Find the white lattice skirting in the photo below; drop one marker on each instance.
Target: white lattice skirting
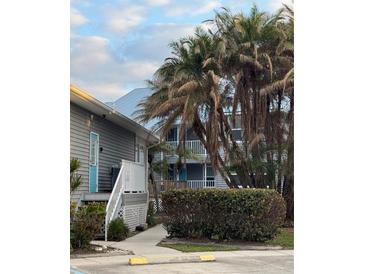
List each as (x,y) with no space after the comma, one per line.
(155,206)
(133,215)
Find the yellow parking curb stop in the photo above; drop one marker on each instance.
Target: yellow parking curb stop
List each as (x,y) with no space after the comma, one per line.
(138,261)
(207,258)
(171,259)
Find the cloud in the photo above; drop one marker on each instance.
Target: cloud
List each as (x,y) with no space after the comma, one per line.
(206,26)
(95,68)
(77,19)
(133,50)
(89,51)
(158,2)
(207,7)
(192,8)
(176,11)
(274,5)
(124,19)
(153,44)
(106,92)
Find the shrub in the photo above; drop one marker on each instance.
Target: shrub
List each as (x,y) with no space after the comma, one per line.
(72,215)
(75,179)
(117,230)
(247,214)
(73,206)
(151,221)
(86,223)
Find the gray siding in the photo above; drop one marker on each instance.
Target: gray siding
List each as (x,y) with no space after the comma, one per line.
(117,144)
(79,146)
(134,198)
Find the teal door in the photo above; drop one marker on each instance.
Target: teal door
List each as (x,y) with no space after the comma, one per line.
(93,162)
(183,174)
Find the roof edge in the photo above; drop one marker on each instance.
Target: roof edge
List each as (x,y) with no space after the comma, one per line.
(86,96)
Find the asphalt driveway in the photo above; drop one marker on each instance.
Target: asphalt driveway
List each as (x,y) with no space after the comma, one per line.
(144,244)
(264,262)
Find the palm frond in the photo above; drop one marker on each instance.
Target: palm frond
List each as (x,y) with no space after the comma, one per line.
(251,61)
(280,85)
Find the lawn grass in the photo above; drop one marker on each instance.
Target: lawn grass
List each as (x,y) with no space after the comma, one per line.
(198,247)
(285,238)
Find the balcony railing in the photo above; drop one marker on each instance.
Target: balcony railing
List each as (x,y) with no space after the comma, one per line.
(166,185)
(195,146)
(195,184)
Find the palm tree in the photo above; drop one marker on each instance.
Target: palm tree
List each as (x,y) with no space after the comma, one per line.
(187,88)
(247,56)
(244,65)
(156,166)
(283,89)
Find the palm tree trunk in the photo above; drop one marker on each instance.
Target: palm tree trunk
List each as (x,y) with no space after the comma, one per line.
(289,193)
(221,167)
(153,182)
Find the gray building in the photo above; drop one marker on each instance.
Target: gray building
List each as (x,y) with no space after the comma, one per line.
(197,173)
(112,150)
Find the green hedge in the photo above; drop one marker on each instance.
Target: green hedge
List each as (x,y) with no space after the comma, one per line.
(247,214)
(86,223)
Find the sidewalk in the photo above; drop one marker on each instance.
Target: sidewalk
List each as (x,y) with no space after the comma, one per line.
(143,243)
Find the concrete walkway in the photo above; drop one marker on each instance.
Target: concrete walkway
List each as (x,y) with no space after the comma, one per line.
(144,243)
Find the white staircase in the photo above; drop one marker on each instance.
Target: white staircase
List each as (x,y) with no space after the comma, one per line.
(129,197)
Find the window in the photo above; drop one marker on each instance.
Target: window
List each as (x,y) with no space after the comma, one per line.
(171,173)
(172,135)
(136,153)
(236,134)
(210,173)
(195,171)
(139,154)
(93,151)
(190,135)
(237,122)
(236,126)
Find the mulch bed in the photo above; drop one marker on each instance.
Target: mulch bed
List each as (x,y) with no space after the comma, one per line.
(104,252)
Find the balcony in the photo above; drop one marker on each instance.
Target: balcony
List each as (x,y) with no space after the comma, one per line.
(195,184)
(194,146)
(166,185)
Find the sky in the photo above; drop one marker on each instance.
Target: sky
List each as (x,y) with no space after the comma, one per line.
(117,45)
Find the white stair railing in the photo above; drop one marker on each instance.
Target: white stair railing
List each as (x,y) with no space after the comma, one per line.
(114,200)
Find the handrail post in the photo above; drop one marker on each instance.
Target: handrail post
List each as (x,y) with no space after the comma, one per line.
(110,207)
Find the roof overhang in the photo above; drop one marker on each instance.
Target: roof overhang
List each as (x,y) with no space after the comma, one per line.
(86,101)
